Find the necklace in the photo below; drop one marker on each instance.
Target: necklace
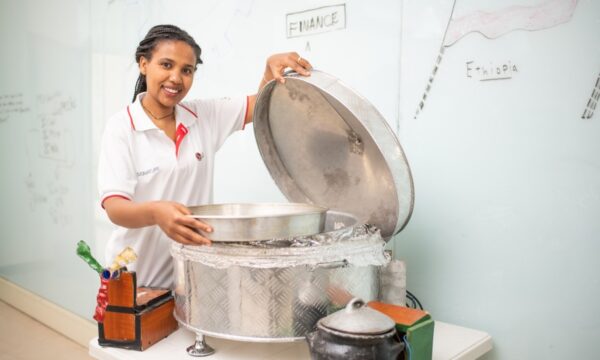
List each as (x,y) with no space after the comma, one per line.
(154,116)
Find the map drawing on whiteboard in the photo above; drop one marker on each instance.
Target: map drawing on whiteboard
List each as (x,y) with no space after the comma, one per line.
(492,24)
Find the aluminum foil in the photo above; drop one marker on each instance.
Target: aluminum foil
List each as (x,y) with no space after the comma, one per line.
(359,245)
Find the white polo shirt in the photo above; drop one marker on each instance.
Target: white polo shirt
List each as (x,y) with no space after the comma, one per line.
(139,162)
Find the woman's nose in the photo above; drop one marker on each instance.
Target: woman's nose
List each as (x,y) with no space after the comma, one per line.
(175,77)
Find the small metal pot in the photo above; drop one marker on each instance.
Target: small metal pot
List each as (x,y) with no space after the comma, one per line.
(356,332)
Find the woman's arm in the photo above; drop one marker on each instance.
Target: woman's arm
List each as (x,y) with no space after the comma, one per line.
(170,216)
(276,65)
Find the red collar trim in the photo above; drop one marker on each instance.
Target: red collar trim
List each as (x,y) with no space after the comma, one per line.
(190,111)
(130,118)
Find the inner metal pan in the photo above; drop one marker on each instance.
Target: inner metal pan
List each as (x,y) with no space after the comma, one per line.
(260,221)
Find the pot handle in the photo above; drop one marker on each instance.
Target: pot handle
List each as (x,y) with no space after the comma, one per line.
(290,72)
(330,265)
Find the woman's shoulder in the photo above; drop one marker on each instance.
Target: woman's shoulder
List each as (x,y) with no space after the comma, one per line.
(208,105)
(198,104)
(119,121)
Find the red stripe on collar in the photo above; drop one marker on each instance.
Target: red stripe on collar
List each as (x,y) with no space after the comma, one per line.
(191,112)
(130,118)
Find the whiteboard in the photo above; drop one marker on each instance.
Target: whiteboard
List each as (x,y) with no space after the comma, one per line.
(499,124)
(45,153)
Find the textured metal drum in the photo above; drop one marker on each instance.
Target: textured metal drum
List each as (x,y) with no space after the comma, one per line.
(275,294)
(266,305)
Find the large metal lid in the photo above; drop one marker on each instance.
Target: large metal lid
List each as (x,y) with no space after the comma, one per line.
(326,145)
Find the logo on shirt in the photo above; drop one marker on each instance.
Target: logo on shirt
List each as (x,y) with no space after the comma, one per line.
(147,172)
(199,156)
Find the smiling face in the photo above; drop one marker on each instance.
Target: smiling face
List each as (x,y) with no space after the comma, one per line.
(169,74)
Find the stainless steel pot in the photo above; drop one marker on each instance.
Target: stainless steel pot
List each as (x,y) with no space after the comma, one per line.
(323,144)
(263,221)
(276,292)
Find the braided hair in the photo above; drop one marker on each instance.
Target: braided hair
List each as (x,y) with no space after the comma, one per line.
(154,36)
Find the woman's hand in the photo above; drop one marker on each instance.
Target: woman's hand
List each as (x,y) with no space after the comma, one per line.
(168,215)
(276,65)
(172,218)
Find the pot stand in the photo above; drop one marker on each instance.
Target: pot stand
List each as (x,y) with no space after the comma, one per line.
(200,348)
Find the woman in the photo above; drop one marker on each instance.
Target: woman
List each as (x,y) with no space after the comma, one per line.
(157,155)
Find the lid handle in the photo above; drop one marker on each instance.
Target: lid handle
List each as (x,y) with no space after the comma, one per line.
(289,72)
(354,305)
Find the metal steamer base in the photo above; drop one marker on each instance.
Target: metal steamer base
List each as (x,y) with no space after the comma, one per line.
(323,145)
(278,290)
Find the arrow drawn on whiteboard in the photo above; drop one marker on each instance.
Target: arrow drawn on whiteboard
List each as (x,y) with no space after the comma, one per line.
(593,101)
(495,24)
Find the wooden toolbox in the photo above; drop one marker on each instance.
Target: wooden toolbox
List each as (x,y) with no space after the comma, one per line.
(135,317)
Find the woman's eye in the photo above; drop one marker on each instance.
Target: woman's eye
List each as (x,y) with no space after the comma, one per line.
(188,71)
(166,65)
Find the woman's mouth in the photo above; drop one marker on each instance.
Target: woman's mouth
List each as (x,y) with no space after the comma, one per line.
(171,91)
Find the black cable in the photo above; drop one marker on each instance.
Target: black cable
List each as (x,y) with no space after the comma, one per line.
(412,303)
(414,300)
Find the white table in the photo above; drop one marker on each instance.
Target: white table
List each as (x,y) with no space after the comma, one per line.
(449,342)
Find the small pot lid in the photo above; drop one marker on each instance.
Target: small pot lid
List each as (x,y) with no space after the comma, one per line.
(358,319)
(326,145)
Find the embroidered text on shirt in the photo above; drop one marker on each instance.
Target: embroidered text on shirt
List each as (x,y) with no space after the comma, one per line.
(146,172)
